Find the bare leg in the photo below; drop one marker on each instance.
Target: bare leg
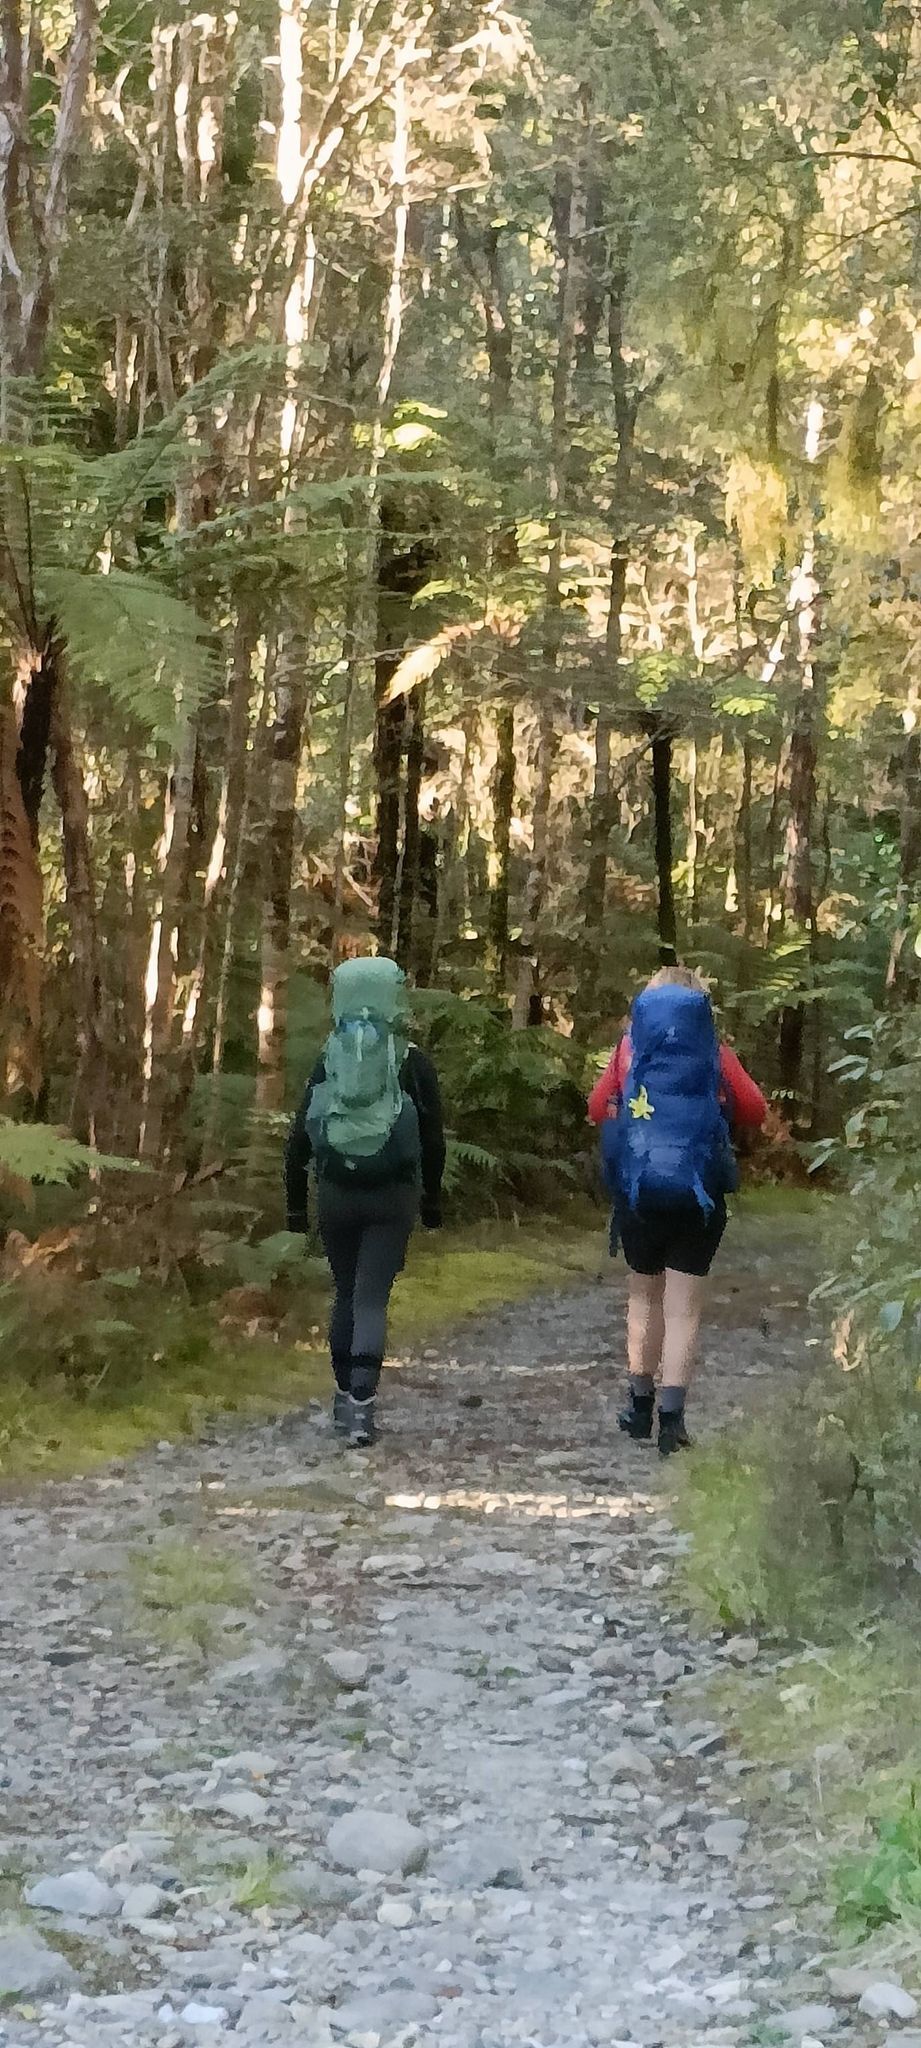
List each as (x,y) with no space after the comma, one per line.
(684,1297)
(645,1329)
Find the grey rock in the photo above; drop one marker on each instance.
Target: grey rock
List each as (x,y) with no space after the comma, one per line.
(485,1862)
(311,1885)
(726,1838)
(29,1968)
(887,2001)
(806,2019)
(246,1806)
(79,1893)
(145,1902)
(261,1668)
(379,2012)
(248,1763)
(626,1760)
(202,1969)
(369,1840)
(349,1668)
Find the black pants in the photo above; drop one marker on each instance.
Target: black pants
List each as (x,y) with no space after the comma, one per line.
(365,1232)
(681,1239)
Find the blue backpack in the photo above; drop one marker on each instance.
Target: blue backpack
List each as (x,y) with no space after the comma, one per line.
(670,1145)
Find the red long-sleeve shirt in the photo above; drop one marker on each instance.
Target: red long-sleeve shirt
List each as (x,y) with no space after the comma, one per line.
(744,1100)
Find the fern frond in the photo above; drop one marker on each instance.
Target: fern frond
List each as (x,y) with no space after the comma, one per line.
(147,649)
(35,1152)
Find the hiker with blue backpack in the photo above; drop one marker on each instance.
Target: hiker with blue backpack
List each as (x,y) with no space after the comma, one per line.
(371,1120)
(667,1105)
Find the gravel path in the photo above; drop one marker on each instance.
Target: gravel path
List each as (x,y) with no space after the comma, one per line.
(390,1749)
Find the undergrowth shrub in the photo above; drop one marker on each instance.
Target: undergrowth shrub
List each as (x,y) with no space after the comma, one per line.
(881,1885)
(514,1104)
(819,1507)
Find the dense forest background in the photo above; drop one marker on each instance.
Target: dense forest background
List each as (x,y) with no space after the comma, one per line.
(458,492)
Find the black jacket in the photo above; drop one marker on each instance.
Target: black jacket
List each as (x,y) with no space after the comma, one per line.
(420,1081)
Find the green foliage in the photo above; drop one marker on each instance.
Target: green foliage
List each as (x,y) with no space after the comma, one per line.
(515,1101)
(145,648)
(882,1886)
(35,1152)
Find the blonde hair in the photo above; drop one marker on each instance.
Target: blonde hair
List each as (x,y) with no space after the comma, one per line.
(678,977)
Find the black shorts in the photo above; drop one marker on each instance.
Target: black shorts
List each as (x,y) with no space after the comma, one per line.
(684,1240)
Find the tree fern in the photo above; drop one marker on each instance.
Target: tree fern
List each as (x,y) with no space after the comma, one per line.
(35,1152)
(147,649)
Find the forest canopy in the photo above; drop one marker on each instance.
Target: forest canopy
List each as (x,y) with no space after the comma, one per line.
(458,494)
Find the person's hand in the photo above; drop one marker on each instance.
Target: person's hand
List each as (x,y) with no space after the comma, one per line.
(430,1215)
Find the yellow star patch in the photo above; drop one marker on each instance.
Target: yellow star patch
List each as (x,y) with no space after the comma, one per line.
(641,1107)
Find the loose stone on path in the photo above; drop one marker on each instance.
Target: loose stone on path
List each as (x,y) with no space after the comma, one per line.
(451,1781)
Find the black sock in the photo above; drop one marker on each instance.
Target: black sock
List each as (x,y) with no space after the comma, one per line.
(671,1400)
(642,1386)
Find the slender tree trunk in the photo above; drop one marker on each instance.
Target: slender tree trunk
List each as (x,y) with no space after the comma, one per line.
(225,842)
(287,735)
(160,978)
(231,910)
(400,574)
(21,927)
(694,827)
(797,880)
(570,223)
(89,1093)
(626,409)
(409,866)
(744,841)
(903,977)
(662,746)
(503,808)
(601,821)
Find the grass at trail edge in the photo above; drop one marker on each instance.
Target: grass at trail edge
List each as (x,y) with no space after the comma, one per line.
(155,1367)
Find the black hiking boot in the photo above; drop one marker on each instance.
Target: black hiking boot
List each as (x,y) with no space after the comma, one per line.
(673,1435)
(342,1412)
(636,1419)
(362,1431)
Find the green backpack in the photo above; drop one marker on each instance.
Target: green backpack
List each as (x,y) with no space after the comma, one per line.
(363,1127)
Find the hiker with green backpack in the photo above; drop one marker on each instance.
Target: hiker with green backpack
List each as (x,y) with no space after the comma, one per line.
(371,1120)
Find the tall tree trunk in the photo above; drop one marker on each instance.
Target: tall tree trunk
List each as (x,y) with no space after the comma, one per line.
(89,1095)
(903,978)
(743,852)
(222,860)
(287,735)
(662,747)
(401,573)
(409,865)
(162,959)
(797,882)
(626,409)
(570,222)
(503,809)
(231,908)
(694,830)
(21,927)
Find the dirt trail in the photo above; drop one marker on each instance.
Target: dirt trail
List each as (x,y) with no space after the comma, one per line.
(241,1678)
